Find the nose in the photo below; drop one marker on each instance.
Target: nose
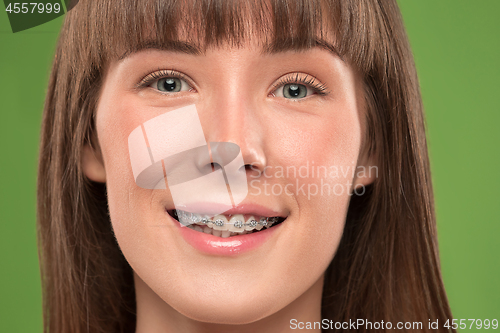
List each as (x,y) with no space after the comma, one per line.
(235,120)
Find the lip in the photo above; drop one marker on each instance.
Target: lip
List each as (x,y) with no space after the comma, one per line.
(230,246)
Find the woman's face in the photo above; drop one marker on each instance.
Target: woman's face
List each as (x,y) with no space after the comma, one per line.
(297,117)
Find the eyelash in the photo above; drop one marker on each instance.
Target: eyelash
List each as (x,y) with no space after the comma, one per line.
(306,79)
(161,74)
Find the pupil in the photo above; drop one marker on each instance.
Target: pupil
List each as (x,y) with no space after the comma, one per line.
(169,84)
(295,91)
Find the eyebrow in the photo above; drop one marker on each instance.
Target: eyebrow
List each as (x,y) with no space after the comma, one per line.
(280,46)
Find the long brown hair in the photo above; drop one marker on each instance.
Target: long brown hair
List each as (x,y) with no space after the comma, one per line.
(387,264)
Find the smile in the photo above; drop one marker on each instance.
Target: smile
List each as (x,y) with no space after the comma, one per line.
(225,225)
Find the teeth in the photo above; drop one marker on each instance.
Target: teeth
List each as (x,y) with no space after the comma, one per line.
(271,221)
(251,223)
(220,222)
(236,223)
(220,226)
(196,218)
(183,217)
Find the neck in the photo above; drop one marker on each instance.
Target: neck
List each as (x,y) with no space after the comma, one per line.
(155,315)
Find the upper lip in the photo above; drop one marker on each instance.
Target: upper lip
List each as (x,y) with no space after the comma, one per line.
(245,209)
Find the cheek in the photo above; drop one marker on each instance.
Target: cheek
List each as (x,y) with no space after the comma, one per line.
(323,151)
(117,117)
(332,137)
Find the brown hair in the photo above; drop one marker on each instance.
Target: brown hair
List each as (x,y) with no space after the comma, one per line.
(387,265)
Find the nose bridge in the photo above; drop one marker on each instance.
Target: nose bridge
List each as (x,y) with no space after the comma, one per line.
(233,116)
(231,105)
(231,101)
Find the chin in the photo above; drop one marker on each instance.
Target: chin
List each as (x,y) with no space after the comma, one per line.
(230,307)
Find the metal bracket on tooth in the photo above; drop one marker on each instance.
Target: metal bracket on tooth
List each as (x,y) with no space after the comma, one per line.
(189,218)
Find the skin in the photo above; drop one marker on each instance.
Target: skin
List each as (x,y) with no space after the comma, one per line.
(180,289)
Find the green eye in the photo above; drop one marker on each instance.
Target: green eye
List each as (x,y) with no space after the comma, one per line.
(294,91)
(298,87)
(169,84)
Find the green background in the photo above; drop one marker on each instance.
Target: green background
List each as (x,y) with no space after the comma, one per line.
(457,50)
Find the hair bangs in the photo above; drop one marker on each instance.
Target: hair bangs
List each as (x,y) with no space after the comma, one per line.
(117,28)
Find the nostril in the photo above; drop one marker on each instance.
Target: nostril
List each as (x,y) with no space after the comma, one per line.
(215,166)
(250,168)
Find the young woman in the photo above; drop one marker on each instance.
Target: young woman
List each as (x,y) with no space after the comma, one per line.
(327,87)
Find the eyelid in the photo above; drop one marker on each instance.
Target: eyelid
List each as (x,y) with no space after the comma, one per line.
(301,78)
(161,74)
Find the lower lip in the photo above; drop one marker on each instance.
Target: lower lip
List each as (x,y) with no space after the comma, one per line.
(230,246)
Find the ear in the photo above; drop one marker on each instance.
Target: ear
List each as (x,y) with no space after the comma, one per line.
(93,164)
(366,171)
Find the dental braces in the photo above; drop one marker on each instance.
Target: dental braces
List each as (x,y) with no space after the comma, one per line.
(190,218)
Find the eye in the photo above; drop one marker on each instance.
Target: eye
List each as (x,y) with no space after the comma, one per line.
(298,86)
(293,91)
(166,81)
(171,85)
